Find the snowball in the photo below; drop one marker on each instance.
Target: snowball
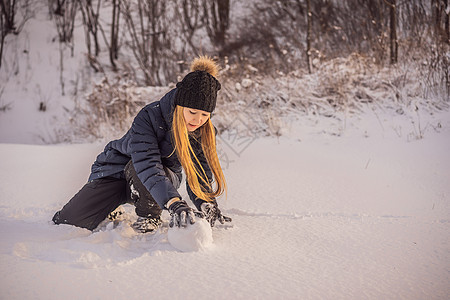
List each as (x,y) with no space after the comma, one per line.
(197,236)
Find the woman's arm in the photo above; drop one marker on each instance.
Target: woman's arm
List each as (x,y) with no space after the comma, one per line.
(146,157)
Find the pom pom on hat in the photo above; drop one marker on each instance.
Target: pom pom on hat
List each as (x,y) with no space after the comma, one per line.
(198,89)
(205,63)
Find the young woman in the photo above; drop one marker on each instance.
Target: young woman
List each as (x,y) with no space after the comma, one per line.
(144,166)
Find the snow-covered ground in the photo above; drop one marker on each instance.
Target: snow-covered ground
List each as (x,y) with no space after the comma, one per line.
(316,217)
(355,205)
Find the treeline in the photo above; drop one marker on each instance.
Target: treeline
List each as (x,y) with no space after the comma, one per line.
(152,39)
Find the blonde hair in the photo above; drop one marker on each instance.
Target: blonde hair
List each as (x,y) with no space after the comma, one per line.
(195,174)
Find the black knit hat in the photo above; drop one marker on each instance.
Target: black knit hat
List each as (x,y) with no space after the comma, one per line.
(198,90)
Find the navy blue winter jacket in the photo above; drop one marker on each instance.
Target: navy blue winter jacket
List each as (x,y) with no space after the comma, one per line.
(148,144)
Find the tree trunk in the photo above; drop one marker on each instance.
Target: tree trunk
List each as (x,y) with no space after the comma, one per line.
(308,35)
(447,20)
(437,13)
(224,19)
(393,36)
(113,50)
(8,10)
(90,21)
(87,35)
(192,20)
(2,37)
(217,20)
(61,67)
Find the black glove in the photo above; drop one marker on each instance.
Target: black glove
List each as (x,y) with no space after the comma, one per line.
(180,212)
(212,213)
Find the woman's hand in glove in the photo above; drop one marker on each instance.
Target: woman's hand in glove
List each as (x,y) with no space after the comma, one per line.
(180,213)
(213,213)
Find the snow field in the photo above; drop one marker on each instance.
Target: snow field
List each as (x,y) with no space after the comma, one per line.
(329,218)
(349,206)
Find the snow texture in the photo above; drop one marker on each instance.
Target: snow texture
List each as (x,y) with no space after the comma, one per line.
(327,217)
(194,237)
(343,206)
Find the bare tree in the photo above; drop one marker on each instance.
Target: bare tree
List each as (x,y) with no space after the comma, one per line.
(331,28)
(217,17)
(437,9)
(191,20)
(308,35)
(441,12)
(272,29)
(8,13)
(393,30)
(90,13)
(114,45)
(64,12)
(447,20)
(147,25)
(8,24)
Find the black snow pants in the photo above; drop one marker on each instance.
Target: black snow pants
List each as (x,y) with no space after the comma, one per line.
(99,197)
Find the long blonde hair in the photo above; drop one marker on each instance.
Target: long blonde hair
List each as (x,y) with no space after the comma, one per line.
(195,174)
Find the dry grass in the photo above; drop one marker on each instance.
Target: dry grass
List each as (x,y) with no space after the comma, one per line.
(255,104)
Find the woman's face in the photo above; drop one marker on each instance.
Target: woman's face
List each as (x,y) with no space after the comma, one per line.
(194,118)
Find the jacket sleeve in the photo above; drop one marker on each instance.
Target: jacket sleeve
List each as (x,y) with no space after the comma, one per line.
(204,163)
(146,158)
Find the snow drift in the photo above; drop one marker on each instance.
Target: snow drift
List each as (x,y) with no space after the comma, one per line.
(335,218)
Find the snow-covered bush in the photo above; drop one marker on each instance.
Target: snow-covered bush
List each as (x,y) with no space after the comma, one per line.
(260,45)
(256,104)
(111,107)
